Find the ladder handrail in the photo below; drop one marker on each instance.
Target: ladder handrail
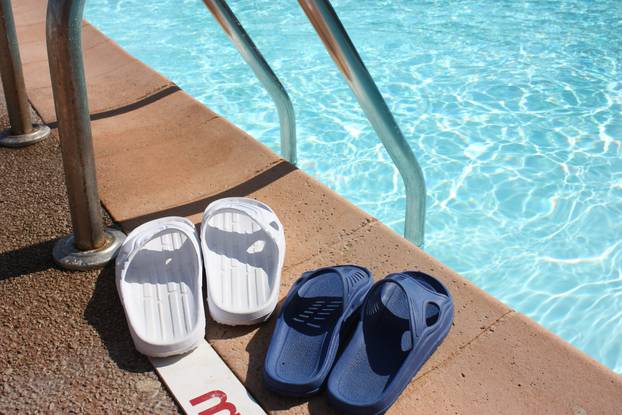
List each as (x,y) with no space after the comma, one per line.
(91,244)
(340,47)
(18,107)
(251,55)
(22,131)
(64,44)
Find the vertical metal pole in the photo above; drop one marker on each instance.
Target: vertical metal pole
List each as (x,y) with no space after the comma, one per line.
(22,131)
(90,245)
(342,50)
(251,55)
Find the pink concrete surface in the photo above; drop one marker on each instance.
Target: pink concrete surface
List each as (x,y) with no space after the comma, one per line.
(160,152)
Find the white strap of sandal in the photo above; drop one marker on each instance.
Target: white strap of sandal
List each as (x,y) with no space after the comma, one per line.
(140,236)
(259,213)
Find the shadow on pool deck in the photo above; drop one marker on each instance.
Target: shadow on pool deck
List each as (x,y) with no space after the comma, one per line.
(114,332)
(64,342)
(150,99)
(197,207)
(27,260)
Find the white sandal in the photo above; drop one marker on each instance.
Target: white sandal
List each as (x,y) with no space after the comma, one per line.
(159,280)
(243,249)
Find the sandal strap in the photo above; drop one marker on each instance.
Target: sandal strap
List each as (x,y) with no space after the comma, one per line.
(140,236)
(258,212)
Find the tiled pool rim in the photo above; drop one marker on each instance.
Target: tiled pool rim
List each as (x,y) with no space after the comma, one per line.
(494,360)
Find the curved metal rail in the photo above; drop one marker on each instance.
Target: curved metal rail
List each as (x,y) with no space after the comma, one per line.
(90,245)
(93,245)
(342,50)
(251,55)
(22,131)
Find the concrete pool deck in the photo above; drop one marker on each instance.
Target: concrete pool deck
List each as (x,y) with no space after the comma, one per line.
(160,152)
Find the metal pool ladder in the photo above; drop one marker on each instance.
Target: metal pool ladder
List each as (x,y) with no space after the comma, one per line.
(342,50)
(91,244)
(245,45)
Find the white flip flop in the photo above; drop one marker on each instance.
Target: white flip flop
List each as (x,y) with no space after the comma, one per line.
(159,280)
(243,250)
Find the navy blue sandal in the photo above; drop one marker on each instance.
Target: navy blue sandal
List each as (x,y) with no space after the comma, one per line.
(306,337)
(403,320)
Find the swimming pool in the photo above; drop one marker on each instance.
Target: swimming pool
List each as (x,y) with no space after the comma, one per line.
(514,109)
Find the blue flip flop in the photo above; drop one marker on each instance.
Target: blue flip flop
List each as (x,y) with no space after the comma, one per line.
(306,337)
(403,320)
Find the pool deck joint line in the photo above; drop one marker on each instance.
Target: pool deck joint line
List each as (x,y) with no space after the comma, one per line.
(161,152)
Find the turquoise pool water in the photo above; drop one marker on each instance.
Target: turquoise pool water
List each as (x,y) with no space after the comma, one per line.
(514,109)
